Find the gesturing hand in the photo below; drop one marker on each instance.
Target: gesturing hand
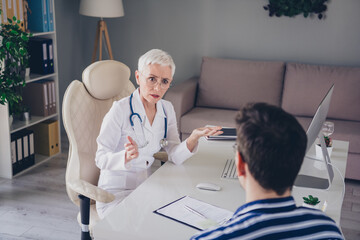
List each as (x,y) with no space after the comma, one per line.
(131,150)
(201,132)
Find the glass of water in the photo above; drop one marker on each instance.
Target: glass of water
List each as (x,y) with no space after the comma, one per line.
(328,128)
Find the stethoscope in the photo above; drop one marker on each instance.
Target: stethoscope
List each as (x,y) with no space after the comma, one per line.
(134,124)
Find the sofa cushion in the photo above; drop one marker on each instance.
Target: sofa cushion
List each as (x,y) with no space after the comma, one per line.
(226,83)
(305,86)
(199,117)
(343,130)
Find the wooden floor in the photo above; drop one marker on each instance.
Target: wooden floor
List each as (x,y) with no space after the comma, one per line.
(35,205)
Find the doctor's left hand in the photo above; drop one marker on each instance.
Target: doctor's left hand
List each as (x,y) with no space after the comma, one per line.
(197,133)
(131,150)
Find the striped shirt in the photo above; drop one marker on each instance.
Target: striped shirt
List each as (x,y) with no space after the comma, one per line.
(277,218)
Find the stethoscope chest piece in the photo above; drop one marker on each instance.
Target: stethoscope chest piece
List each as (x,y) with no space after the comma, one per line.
(163,143)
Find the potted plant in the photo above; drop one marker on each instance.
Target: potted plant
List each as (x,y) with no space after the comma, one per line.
(328,143)
(311,202)
(14,58)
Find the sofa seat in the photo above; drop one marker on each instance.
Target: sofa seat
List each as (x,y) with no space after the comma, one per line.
(200,116)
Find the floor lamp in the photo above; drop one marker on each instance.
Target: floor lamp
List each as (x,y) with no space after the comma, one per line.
(102,9)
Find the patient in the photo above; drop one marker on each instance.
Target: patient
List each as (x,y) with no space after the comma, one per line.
(270,149)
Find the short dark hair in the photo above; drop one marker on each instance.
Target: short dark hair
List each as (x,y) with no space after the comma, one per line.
(272,143)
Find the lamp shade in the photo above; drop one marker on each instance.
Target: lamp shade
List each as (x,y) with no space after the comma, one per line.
(102,8)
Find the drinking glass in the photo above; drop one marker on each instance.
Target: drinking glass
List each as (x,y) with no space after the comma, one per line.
(328,128)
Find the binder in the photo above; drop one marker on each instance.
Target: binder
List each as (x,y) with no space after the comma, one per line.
(36,97)
(50,99)
(50,53)
(22,150)
(39,55)
(38,19)
(3,18)
(11,8)
(19,151)
(19,12)
(14,154)
(28,148)
(53,96)
(50,14)
(46,136)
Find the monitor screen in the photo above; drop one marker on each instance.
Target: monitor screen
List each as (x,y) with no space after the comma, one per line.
(318,119)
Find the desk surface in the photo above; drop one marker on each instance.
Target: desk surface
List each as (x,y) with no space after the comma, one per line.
(133,218)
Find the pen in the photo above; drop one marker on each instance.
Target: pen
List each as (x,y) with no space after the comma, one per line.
(194,211)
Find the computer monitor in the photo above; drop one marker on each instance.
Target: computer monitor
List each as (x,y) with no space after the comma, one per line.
(308,175)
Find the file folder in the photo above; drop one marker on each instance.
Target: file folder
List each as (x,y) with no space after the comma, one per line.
(50,54)
(19,152)
(11,8)
(46,136)
(14,154)
(28,144)
(50,14)
(53,96)
(36,97)
(39,55)
(38,19)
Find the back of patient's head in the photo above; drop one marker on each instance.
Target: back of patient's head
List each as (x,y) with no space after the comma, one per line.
(272,143)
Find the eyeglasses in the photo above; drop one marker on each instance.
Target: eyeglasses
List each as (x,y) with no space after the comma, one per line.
(152,81)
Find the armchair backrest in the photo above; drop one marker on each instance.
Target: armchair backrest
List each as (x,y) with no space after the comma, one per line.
(84,107)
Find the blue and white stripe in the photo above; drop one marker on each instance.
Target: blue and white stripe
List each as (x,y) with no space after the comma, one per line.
(274,219)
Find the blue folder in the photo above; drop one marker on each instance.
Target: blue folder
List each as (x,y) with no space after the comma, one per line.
(38,18)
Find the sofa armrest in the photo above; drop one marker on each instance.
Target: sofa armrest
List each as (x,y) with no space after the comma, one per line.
(183,97)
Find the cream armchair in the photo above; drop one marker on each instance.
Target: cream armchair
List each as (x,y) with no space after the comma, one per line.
(84,106)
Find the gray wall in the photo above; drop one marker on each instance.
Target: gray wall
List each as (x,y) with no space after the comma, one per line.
(190,29)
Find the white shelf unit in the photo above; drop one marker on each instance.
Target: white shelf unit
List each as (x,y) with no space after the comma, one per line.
(6,130)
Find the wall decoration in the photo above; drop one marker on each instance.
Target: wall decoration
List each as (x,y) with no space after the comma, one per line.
(291,8)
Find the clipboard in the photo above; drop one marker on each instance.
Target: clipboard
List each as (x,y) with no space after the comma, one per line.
(194,213)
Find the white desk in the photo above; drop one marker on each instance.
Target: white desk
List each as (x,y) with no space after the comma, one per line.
(134,218)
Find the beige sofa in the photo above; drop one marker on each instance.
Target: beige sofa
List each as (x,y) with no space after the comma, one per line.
(225,85)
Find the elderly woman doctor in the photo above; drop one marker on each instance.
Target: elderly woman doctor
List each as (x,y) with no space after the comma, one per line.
(138,126)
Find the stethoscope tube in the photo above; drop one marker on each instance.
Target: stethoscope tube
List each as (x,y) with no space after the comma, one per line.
(163,142)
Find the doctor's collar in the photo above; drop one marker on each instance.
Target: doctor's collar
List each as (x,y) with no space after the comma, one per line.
(139,106)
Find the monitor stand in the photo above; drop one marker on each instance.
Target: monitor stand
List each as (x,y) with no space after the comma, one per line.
(309,181)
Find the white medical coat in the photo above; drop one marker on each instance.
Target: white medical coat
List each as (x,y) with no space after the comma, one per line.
(120,178)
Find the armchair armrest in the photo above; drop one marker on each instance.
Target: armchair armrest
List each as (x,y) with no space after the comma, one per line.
(91,191)
(183,97)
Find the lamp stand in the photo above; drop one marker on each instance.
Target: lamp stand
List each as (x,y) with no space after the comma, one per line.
(100,30)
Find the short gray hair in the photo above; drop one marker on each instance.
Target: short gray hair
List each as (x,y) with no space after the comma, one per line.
(156,56)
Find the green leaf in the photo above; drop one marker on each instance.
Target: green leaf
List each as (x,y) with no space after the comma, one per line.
(8,45)
(24,37)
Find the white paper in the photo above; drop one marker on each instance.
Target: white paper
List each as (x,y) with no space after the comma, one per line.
(213,215)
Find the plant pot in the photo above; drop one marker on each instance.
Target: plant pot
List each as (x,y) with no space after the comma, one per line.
(11,119)
(27,72)
(317,206)
(25,116)
(319,153)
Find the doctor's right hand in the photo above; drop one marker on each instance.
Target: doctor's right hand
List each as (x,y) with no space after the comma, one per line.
(131,150)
